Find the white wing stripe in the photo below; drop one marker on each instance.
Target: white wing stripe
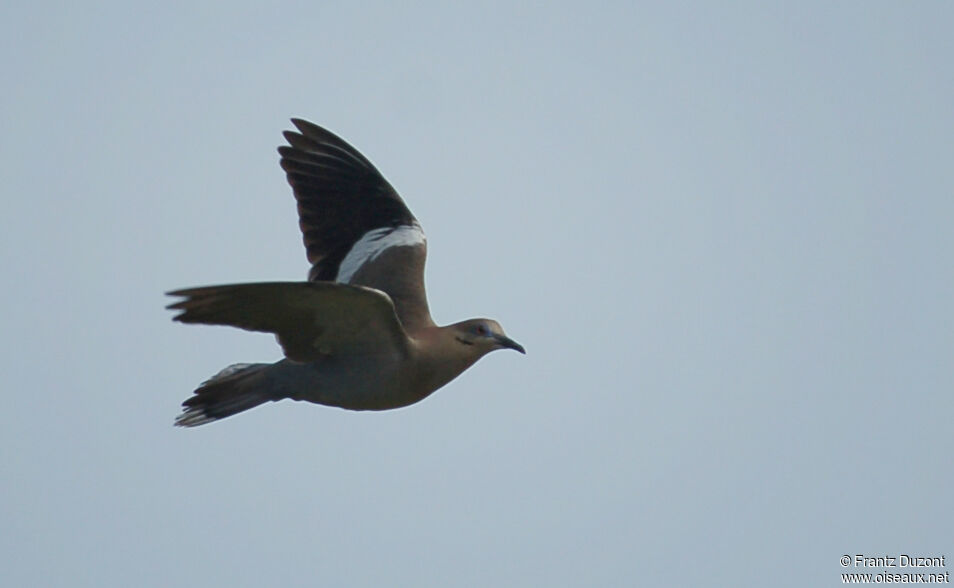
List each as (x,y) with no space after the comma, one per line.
(373,243)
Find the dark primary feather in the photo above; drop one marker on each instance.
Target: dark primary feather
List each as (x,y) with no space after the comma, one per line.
(340,194)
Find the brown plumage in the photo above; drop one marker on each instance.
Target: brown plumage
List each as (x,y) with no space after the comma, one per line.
(358,334)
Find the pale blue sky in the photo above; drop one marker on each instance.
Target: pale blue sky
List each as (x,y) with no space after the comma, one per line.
(723,233)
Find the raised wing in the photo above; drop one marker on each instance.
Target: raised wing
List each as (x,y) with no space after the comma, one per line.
(356,228)
(311,320)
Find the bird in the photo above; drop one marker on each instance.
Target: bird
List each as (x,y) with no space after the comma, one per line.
(358,333)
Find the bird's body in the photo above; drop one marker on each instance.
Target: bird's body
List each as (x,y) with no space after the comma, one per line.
(358,335)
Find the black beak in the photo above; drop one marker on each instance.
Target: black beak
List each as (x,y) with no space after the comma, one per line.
(509,343)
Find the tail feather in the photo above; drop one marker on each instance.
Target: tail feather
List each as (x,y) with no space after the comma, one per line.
(235,389)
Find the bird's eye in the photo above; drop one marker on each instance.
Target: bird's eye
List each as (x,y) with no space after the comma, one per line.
(482,330)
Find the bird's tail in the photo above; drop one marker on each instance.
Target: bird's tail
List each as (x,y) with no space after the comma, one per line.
(237,388)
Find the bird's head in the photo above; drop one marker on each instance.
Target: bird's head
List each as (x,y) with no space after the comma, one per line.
(483,336)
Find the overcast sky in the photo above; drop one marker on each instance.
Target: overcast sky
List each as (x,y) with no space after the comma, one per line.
(724,235)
